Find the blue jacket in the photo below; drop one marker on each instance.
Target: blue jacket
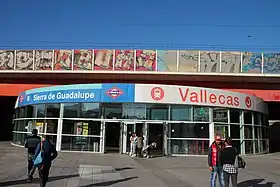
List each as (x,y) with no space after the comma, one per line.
(49,152)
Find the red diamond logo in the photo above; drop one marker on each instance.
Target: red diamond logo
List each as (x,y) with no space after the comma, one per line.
(114,92)
(21,98)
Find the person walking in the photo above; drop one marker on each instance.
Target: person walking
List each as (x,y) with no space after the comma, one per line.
(31,143)
(228,158)
(133,145)
(49,153)
(140,140)
(213,162)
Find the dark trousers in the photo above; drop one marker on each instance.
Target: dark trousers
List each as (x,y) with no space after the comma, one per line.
(233,179)
(139,151)
(44,174)
(30,167)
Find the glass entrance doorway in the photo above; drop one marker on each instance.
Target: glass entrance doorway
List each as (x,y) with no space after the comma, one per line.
(155,133)
(112,137)
(127,130)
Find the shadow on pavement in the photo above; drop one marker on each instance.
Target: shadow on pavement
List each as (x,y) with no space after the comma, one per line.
(121,169)
(36,180)
(255,183)
(109,183)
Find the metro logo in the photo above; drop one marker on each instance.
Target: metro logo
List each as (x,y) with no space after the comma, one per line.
(204,96)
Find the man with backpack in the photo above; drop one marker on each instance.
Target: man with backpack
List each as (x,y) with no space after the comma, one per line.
(47,153)
(31,145)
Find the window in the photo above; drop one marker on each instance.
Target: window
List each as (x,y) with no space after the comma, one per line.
(112,110)
(201,113)
(157,112)
(189,130)
(41,110)
(221,130)
(30,111)
(248,131)
(180,113)
(220,115)
(247,117)
(134,111)
(53,110)
(257,118)
(234,115)
(71,110)
(75,127)
(234,131)
(21,112)
(90,110)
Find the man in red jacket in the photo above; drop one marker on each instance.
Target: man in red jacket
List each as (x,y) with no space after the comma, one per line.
(214,164)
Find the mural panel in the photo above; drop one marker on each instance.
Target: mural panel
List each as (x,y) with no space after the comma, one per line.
(124,60)
(24,60)
(209,61)
(7,60)
(43,59)
(145,60)
(167,60)
(188,61)
(83,59)
(63,60)
(251,62)
(271,63)
(103,59)
(231,62)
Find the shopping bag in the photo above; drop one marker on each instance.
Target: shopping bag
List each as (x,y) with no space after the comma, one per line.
(39,159)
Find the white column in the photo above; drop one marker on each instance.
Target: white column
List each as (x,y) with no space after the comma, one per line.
(242,143)
(59,128)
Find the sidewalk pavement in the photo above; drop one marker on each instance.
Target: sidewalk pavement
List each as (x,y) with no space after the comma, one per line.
(88,169)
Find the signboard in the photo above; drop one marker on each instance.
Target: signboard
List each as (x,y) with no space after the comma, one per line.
(145,93)
(78,93)
(141,93)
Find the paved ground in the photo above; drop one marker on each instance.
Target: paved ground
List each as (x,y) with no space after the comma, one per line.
(85,170)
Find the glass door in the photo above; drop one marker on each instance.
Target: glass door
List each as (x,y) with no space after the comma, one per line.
(127,129)
(156,133)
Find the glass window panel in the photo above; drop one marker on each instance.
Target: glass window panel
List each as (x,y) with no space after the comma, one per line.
(189,130)
(167,60)
(264,132)
(112,110)
(221,130)
(249,146)
(231,62)
(252,62)
(53,110)
(257,131)
(22,111)
(30,111)
(220,115)
(188,61)
(201,113)
(51,126)
(248,131)
(41,110)
(265,146)
(134,111)
(257,146)
(247,117)
(71,110)
(235,131)
(191,147)
(234,115)
(157,112)
(81,127)
(209,61)
(264,120)
(80,143)
(21,124)
(19,138)
(90,110)
(257,118)
(180,112)
(236,144)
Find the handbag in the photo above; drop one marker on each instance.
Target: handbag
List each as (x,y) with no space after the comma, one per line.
(39,159)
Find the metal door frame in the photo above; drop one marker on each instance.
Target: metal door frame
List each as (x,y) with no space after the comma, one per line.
(103,129)
(164,133)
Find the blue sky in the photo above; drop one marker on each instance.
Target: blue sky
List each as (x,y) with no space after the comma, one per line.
(176,24)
